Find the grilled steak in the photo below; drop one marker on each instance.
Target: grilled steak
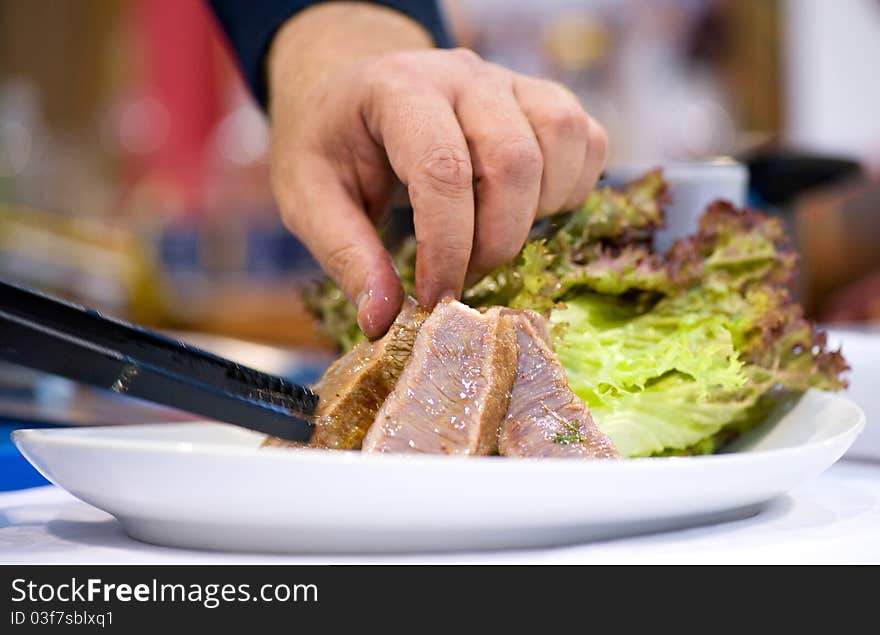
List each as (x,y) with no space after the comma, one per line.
(539,324)
(355,386)
(453,394)
(545,418)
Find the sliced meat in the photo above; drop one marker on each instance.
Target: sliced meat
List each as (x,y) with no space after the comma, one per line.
(538,322)
(355,386)
(545,418)
(455,390)
(540,325)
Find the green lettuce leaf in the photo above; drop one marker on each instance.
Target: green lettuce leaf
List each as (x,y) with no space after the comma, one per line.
(336,316)
(656,380)
(631,214)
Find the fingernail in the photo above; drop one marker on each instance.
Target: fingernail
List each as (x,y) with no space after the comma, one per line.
(364,316)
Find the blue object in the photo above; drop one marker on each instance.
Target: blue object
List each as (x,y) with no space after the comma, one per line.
(15,470)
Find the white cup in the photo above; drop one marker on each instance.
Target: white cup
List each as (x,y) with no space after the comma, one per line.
(692,186)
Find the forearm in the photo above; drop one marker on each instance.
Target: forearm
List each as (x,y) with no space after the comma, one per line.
(325,37)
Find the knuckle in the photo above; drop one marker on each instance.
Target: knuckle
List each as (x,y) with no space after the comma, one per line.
(568,119)
(518,160)
(401,59)
(393,71)
(565,115)
(467,56)
(447,169)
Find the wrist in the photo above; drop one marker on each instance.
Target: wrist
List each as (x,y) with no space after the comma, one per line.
(326,38)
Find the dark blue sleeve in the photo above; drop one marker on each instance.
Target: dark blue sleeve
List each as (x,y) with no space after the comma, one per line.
(250,26)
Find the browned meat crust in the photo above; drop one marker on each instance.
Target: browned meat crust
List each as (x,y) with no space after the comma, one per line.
(352,390)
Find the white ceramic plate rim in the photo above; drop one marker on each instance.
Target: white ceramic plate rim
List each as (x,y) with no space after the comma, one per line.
(90,438)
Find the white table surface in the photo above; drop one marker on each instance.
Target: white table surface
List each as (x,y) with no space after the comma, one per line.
(834,518)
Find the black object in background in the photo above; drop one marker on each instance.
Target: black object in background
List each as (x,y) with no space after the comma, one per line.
(780,176)
(53,336)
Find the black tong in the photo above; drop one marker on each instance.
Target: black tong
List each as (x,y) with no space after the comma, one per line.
(61,338)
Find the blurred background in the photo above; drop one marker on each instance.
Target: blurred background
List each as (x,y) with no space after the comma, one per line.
(133,162)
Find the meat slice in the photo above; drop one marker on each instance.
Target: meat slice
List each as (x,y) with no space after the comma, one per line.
(545,418)
(454,393)
(540,325)
(355,386)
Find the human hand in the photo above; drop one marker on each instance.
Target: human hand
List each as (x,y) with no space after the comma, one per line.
(359,102)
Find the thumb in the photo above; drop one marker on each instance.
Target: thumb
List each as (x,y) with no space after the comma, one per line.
(336,230)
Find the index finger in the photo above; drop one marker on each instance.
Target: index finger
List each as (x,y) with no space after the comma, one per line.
(428,152)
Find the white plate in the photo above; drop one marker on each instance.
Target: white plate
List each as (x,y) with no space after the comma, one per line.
(209,486)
